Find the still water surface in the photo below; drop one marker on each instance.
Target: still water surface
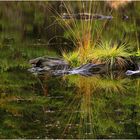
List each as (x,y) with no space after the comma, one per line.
(106,106)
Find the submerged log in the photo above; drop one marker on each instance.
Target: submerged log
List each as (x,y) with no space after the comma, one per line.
(50,62)
(89,16)
(85,70)
(57,66)
(134,73)
(85,16)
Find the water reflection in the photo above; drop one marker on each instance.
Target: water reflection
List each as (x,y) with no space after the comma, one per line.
(21,107)
(94,107)
(101,106)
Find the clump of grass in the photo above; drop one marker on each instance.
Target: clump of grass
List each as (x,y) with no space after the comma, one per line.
(79,56)
(72,58)
(137,53)
(111,53)
(108,52)
(85,34)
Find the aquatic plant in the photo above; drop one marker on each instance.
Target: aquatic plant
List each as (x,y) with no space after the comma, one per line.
(72,58)
(86,34)
(79,56)
(137,53)
(111,53)
(83,32)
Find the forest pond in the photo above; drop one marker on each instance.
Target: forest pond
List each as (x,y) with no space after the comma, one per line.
(68,106)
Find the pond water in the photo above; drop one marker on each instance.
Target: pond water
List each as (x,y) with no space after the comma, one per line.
(69,106)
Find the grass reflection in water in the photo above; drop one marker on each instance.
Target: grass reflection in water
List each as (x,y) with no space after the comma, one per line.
(95,107)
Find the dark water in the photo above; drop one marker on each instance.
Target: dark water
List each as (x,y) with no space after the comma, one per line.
(101,106)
